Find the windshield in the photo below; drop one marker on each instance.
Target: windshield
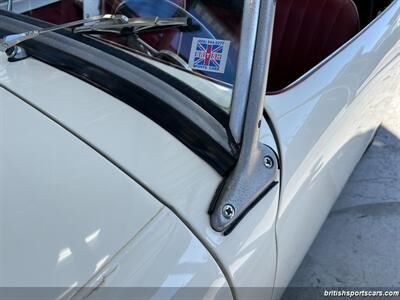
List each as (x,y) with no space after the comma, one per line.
(208,47)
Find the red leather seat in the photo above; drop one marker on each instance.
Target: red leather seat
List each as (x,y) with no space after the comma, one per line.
(306,32)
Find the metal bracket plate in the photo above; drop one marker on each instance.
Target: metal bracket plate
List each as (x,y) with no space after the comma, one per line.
(238,193)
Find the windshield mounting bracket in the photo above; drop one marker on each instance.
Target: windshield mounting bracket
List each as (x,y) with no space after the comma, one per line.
(256,171)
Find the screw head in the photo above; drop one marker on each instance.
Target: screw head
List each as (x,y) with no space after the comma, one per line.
(228,211)
(268,162)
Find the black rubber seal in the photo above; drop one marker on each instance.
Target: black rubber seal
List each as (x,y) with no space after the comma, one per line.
(200,99)
(179,125)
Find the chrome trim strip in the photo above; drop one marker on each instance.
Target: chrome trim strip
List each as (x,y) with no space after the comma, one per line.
(243,73)
(9,5)
(257,169)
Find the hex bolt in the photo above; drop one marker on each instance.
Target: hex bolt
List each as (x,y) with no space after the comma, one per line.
(268,162)
(228,211)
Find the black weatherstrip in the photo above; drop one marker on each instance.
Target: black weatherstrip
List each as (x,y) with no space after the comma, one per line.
(175,122)
(204,102)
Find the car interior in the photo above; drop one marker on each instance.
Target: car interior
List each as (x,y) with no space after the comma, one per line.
(305,31)
(308,31)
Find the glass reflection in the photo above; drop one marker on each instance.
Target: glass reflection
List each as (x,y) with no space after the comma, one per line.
(91,237)
(63,254)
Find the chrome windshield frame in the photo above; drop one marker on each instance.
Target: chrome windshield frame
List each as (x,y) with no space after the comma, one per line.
(248,35)
(9,5)
(256,171)
(250,26)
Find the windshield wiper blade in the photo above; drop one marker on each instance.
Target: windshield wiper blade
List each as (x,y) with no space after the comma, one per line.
(12,40)
(137,24)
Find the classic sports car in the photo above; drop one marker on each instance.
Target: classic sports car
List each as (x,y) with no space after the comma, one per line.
(161,149)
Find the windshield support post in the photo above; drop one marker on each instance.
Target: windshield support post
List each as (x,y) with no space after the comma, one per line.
(256,170)
(10,5)
(248,36)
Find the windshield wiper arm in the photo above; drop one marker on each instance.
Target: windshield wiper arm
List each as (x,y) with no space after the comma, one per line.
(137,24)
(12,40)
(103,23)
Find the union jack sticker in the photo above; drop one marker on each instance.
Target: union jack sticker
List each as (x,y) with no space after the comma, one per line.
(209,55)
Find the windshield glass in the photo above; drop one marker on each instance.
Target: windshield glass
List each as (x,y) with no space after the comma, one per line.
(208,46)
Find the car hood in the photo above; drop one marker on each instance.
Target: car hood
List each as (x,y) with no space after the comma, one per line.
(65,209)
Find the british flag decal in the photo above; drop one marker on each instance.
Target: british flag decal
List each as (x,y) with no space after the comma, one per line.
(209,55)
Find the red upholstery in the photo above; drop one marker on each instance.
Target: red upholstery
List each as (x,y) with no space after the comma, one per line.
(306,32)
(58,12)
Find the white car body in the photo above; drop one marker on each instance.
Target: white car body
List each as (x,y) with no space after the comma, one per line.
(95,194)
